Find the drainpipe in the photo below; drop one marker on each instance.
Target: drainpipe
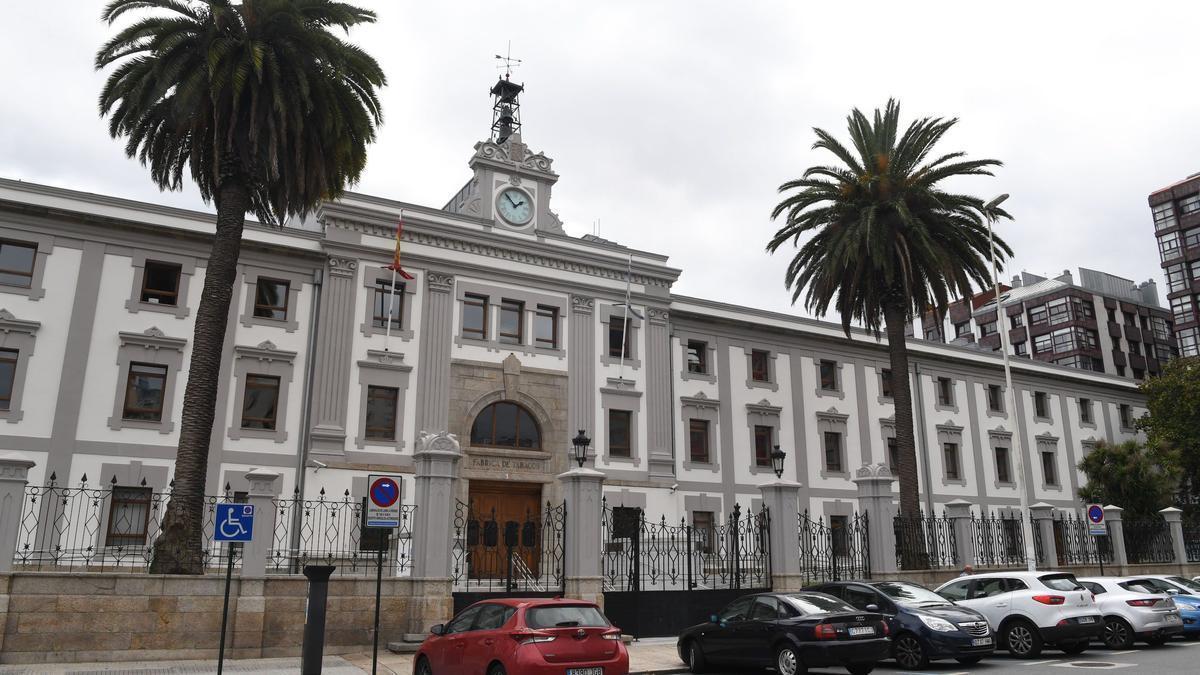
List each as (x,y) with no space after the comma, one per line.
(306,411)
(919,420)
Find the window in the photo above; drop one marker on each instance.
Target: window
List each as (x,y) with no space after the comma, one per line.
(950,458)
(1082,362)
(893,456)
(618,345)
(705,536)
(474,319)
(760,365)
(945,391)
(1129,320)
(381,412)
(1049,473)
(462,622)
(885,382)
(1182,310)
(763,445)
(1126,416)
(512,314)
(545,327)
(1160,327)
(833,452)
(16,264)
(1164,216)
(506,425)
(1085,410)
(698,441)
(387,305)
(1041,406)
(955,591)
(1177,278)
(160,283)
(697,357)
(829,376)
(1021,348)
(1003,468)
(1112,316)
(1189,204)
(620,428)
(1139,374)
(1038,315)
(260,406)
(1191,238)
(8,376)
(128,516)
(933,334)
(1168,246)
(144,389)
(1194,269)
(1066,339)
(492,617)
(271,299)
(1016,320)
(995,398)
(987,328)
(1121,371)
(961,329)
(1189,341)
(1135,347)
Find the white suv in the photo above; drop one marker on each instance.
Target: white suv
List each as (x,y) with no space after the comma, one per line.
(1133,611)
(1029,610)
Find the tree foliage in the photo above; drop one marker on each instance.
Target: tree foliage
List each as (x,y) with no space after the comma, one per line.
(1173,420)
(1140,479)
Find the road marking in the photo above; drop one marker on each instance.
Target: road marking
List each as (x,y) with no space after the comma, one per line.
(1131,651)
(1093,665)
(1185,644)
(1038,663)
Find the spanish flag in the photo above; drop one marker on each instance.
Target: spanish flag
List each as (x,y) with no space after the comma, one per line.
(395,266)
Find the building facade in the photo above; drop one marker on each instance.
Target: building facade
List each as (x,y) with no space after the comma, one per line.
(1176,213)
(512,335)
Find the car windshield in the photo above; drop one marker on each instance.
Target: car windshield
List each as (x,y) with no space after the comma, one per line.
(1060,582)
(570,616)
(1186,583)
(909,594)
(815,603)
(1140,586)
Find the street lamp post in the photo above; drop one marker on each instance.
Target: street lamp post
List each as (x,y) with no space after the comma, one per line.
(1011,394)
(777,457)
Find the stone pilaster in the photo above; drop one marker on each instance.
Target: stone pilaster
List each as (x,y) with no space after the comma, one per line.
(1174,520)
(335,337)
(437,324)
(782,500)
(1116,534)
(264,488)
(436,460)
(583,489)
(958,512)
(659,422)
(581,367)
(1042,518)
(14,474)
(876,498)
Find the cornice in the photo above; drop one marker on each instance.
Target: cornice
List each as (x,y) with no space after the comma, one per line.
(11,324)
(264,351)
(152,338)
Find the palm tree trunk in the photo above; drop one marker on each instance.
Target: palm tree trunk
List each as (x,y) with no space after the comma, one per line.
(178,550)
(896,320)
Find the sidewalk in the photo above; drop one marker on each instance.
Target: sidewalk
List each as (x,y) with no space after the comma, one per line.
(652,655)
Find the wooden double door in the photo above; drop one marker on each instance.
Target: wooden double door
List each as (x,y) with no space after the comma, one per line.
(505,520)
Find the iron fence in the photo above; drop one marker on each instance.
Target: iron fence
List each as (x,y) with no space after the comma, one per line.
(1191,539)
(330,531)
(999,540)
(105,528)
(1075,545)
(494,555)
(836,550)
(1148,540)
(925,543)
(639,554)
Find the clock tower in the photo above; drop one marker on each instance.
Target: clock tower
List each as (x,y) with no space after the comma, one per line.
(511,184)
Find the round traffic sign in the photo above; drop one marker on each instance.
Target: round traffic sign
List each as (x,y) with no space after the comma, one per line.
(1095,513)
(384,492)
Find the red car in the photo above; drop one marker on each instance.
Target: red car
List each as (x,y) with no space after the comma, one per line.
(524,636)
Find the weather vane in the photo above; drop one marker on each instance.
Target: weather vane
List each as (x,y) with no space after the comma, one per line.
(508,62)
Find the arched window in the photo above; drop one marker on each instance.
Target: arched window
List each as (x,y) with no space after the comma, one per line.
(506,425)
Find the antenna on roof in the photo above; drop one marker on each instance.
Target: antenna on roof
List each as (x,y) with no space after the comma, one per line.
(508,62)
(506,107)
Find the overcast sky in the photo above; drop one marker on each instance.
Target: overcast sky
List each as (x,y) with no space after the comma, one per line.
(673,123)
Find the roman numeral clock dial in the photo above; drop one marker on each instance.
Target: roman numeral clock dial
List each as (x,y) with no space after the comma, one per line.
(515,206)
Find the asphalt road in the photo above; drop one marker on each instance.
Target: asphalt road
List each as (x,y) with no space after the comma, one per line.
(1174,657)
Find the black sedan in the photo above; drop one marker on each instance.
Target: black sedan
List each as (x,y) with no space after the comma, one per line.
(924,626)
(790,632)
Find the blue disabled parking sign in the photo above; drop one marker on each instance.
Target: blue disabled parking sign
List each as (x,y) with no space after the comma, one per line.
(235,522)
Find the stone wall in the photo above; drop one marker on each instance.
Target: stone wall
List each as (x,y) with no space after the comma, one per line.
(134,617)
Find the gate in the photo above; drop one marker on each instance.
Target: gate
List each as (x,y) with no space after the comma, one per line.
(659,577)
(836,550)
(494,558)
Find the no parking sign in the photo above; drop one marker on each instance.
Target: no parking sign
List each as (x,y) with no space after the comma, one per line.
(383,501)
(1096,524)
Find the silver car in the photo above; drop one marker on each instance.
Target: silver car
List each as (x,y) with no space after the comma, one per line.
(1133,610)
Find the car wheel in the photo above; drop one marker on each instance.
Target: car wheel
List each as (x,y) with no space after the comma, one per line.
(497,669)
(695,658)
(1117,633)
(969,660)
(1074,648)
(860,670)
(909,653)
(787,661)
(1022,640)
(423,667)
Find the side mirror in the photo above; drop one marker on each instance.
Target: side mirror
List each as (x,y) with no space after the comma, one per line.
(1172,591)
(713,618)
(872,607)
(437,629)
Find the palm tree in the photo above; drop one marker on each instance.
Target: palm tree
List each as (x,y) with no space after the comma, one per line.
(268,111)
(886,242)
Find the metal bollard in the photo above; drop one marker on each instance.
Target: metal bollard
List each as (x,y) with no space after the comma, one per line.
(313,648)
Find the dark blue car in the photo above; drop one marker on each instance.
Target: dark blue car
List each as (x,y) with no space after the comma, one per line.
(924,626)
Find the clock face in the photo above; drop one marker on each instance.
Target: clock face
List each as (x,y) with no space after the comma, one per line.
(515,206)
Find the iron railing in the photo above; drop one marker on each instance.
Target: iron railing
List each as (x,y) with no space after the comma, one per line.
(999,541)
(1191,539)
(834,550)
(639,554)
(105,528)
(1075,545)
(1148,540)
(925,543)
(329,531)
(491,555)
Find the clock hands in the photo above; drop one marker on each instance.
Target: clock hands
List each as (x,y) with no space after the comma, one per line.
(510,200)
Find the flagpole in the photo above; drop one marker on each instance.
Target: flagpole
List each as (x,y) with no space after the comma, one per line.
(387,320)
(628,309)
